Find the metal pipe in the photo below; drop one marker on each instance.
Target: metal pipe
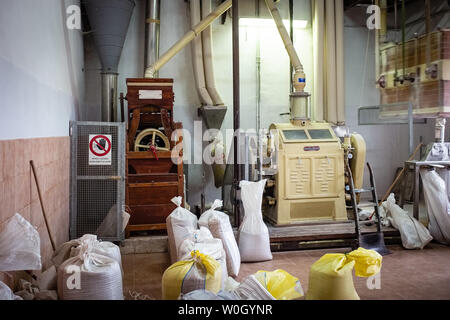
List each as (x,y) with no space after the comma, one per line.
(291,34)
(208,57)
(197,56)
(258,72)
(340,61)
(299,78)
(187,38)
(319,36)
(331,63)
(109,97)
(236,111)
(152,32)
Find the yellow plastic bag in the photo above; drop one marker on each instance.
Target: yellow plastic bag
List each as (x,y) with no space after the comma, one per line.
(202,272)
(367,262)
(280,284)
(331,277)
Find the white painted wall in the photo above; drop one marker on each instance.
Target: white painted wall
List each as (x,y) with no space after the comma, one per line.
(41,68)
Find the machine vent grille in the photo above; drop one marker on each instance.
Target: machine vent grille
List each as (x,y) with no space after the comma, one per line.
(325,176)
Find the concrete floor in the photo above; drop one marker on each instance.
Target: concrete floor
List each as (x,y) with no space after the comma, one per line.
(405,275)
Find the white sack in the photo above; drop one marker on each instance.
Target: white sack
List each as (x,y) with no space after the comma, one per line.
(251,289)
(20,246)
(414,234)
(180,223)
(220,227)
(108,227)
(6,293)
(104,248)
(437,201)
(71,249)
(100,277)
(254,239)
(209,247)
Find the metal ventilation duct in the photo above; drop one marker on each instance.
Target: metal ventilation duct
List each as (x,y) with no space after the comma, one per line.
(109,20)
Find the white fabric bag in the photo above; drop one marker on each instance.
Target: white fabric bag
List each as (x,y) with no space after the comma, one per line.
(220,227)
(435,189)
(254,239)
(71,249)
(211,247)
(20,246)
(90,276)
(6,293)
(180,224)
(414,234)
(252,289)
(104,248)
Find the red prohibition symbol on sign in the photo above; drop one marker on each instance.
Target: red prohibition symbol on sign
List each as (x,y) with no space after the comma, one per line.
(105,148)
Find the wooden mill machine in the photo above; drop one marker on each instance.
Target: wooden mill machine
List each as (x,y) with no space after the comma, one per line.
(154,161)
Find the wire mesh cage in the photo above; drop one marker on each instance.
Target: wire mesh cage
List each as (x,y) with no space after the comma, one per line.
(97,195)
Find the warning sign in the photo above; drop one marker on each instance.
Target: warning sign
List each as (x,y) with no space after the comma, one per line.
(100,150)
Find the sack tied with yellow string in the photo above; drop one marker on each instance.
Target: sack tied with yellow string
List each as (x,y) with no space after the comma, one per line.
(202,272)
(331,277)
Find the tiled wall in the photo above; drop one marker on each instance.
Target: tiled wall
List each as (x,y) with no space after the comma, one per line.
(18,192)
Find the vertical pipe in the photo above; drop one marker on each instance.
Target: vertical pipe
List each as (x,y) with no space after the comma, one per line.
(197,56)
(258,72)
(208,56)
(340,80)
(236,107)
(331,63)
(318,34)
(152,32)
(428,31)
(109,97)
(404,38)
(291,35)
(377,50)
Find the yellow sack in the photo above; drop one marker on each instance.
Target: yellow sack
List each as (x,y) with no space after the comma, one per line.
(367,262)
(331,278)
(280,284)
(202,272)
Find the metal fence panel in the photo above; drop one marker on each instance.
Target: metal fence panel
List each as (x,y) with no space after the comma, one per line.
(97,196)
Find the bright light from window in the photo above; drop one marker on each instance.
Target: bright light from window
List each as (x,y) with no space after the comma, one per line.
(269,23)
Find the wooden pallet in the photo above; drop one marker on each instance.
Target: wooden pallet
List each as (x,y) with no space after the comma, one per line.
(318,236)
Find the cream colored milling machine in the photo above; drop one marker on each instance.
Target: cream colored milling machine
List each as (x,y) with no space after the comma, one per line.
(310,182)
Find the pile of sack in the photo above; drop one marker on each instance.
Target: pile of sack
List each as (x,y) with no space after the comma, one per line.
(330,278)
(204,251)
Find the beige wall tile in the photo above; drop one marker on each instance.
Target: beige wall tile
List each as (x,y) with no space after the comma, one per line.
(8,159)
(8,205)
(2,147)
(18,191)
(21,191)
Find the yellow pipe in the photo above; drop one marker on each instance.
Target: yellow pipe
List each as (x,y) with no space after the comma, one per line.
(331,63)
(340,61)
(197,56)
(318,33)
(187,38)
(208,57)
(298,79)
